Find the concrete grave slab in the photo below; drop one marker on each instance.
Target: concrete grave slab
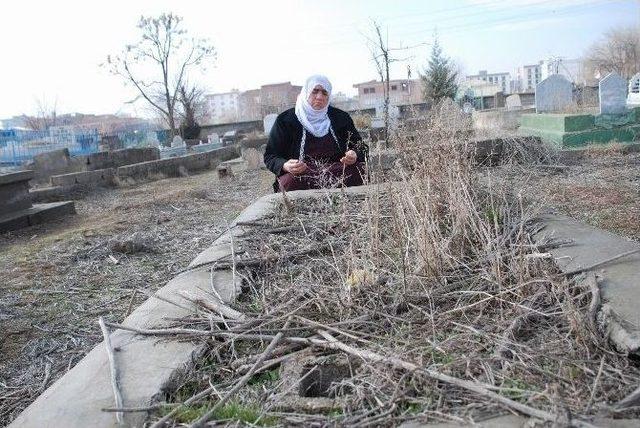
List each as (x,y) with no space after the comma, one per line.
(553,94)
(612,91)
(618,280)
(36,214)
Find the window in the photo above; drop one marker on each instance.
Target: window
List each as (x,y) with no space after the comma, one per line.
(369,90)
(394,87)
(405,86)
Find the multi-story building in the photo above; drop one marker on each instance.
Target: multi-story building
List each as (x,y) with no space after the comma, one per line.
(277,97)
(528,76)
(249,105)
(223,107)
(401,92)
(254,104)
(502,80)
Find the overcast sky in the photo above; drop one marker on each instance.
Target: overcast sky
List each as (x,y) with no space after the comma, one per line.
(51,50)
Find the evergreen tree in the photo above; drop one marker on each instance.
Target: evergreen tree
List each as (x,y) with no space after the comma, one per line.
(439,80)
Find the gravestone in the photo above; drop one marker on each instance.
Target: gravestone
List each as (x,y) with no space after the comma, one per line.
(177,142)
(634,91)
(214,138)
(513,102)
(268,122)
(612,91)
(553,94)
(151,139)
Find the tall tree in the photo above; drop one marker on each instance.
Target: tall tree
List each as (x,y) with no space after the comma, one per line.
(618,50)
(159,63)
(439,78)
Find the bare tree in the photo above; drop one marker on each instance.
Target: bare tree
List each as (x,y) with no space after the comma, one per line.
(381,54)
(618,50)
(46,116)
(159,63)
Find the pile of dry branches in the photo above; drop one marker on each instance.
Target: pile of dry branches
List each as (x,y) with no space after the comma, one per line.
(433,285)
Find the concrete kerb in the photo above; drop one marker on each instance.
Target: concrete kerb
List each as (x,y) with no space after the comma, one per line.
(617,280)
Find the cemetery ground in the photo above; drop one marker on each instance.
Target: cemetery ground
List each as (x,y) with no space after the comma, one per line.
(127,242)
(124,243)
(424,302)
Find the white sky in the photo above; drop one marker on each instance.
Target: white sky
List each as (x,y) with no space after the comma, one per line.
(51,50)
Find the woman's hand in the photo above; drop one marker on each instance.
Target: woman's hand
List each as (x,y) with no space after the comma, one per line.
(349,158)
(295,166)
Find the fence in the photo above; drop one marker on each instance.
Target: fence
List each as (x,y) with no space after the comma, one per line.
(19,146)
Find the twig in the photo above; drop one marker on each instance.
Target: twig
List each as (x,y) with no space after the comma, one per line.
(139,409)
(113,369)
(242,382)
(598,264)
(217,307)
(476,387)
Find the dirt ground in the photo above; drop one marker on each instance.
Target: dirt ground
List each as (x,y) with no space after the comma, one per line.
(58,278)
(603,190)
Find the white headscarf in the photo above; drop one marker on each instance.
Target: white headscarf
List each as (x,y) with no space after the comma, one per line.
(315,121)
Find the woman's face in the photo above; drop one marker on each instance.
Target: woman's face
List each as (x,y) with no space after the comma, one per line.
(319,98)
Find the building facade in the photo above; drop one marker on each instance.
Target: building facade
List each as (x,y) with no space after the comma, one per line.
(223,107)
(401,92)
(482,79)
(528,76)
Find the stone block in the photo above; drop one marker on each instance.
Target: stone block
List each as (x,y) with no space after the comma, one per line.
(101,177)
(14,191)
(612,91)
(38,213)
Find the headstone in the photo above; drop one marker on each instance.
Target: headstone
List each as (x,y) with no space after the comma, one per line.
(151,139)
(268,122)
(633,99)
(214,138)
(468,108)
(612,91)
(513,102)
(178,142)
(553,94)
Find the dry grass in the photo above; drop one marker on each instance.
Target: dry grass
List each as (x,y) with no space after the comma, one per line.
(434,285)
(58,278)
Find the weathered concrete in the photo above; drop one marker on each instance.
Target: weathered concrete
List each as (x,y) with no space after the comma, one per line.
(498,119)
(116,158)
(99,177)
(618,280)
(36,214)
(172,166)
(14,191)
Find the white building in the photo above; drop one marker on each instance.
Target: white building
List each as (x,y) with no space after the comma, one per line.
(528,76)
(223,107)
(484,79)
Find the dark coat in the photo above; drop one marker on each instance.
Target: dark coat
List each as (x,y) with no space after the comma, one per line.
(286,133)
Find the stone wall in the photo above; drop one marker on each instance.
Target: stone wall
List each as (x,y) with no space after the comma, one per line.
(172,167)
(116,158)
(498,119)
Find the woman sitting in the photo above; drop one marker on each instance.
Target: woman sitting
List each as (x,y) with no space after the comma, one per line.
(315,145)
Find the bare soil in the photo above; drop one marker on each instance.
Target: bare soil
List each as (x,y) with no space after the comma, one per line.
(603,190)
(56,279)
